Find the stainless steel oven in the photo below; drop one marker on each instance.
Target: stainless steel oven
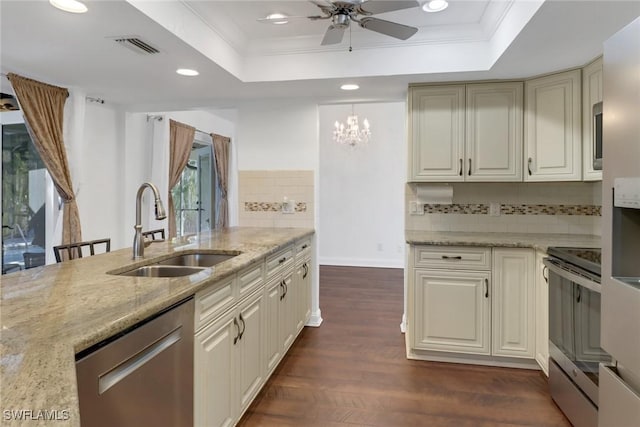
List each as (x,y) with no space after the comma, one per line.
(574,332)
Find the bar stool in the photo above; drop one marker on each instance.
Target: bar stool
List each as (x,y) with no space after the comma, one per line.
(152,234)
(75,250)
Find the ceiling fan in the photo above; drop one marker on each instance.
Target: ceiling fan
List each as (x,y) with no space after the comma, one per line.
(342,13)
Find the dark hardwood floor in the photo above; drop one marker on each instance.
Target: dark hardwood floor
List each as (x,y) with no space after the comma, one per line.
(352,371)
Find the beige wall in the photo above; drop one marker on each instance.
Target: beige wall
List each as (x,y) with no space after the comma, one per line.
(563,207)
(261,194)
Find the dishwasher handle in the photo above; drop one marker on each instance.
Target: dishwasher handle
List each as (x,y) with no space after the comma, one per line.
(135,362)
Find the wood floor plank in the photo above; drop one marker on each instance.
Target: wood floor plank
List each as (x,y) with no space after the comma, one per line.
(353,371)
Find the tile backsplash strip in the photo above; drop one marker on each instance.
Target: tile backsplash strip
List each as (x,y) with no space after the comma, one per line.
(261,197)
(564,207)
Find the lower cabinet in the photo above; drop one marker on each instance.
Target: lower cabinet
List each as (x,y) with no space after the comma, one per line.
(473,301)
(451,311)
(244,326)
(542,313)
(228,363)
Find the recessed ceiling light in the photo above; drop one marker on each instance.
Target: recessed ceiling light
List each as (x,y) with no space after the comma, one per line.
(435,6)
(72,6)
(187,72)
(350,86)
(277,18)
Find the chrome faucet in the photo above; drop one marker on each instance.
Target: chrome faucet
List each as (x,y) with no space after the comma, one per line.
(138,244)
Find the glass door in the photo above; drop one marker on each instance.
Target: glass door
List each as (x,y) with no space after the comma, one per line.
(24,194)
(194,194)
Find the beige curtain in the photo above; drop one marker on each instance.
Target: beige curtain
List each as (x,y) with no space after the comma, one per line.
(180,143)
(43,108)
(221,149)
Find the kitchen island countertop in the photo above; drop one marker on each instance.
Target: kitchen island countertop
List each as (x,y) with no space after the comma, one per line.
(539,241)
(50,313)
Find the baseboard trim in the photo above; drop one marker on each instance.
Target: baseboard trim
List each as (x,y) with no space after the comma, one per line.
(359,262)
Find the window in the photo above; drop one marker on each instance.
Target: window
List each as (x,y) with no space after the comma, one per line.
(24,194)
(195,193)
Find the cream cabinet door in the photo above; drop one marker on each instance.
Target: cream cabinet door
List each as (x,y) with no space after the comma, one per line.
(553,128)
(451,311)
(542,313)
(513,302)
(288,312)
(251,368)
(436,133)
(303,293)
(591,95)
(215,382)
(494,132)
(272,342)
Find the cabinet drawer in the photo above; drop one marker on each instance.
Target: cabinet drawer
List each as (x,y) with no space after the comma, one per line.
(453,257)
(279,261)
(303,248)
(250,279)
(214,300)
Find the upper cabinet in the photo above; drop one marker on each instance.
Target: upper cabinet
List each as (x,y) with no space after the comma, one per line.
(494,132)
(553,128)
(467,132)
(436,123)
(591,95)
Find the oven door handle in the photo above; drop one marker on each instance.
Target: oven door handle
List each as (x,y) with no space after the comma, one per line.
(556,267)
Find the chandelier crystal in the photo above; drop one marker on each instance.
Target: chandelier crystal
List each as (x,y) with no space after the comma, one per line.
(351,134)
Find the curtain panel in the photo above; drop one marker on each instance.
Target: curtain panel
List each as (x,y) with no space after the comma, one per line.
(180,143)
(43,109)
(221,152)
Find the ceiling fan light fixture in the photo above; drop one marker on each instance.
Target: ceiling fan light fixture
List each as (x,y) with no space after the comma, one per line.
(277,19)
(187,72)
(349,86)
(435,5)
(72,6)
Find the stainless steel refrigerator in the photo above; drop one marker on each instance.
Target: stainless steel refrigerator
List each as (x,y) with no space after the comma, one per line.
(619,391)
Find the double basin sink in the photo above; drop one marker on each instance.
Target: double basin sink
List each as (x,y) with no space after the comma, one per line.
(181,265)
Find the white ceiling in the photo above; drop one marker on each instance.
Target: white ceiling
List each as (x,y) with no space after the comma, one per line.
(240,59)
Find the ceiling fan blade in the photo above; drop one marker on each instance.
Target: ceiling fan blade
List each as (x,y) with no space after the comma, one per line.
(373,7)
(388,28)
(282,20)
(333,35)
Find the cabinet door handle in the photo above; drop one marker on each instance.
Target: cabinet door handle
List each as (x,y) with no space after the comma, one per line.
(451,257)
(282,286)
(545,269)
(469,167)
(237,337)
(305,246)
(578,294)
(286,288)
(529,165)
(460,171)
(281,260)
(306,270)
(486,288)
(244,326)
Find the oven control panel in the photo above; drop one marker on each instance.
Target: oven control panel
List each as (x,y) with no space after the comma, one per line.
(627,193)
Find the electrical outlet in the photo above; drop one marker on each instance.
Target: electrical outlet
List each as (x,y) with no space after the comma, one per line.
(494,209)
(416,208)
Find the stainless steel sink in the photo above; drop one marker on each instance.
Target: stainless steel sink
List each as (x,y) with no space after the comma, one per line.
(180,265)
(198,259)
(162,271)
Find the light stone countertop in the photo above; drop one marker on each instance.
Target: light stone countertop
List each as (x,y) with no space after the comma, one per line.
(48,314)
(539,241)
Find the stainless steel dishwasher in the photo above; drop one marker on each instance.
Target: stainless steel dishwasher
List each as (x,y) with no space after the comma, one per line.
(141,377)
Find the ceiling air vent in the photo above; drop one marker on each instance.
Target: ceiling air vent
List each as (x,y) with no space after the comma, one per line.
(136,44)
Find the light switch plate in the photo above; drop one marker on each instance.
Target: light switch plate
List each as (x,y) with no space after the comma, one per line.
(416,208)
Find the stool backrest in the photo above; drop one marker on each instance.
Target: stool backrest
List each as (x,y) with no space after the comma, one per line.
(80,249)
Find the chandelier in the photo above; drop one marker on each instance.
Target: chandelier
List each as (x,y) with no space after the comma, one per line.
(351,134)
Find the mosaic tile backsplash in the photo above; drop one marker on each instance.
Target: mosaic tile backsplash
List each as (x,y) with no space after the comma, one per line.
(554,207)
(262,193)
(506,209)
